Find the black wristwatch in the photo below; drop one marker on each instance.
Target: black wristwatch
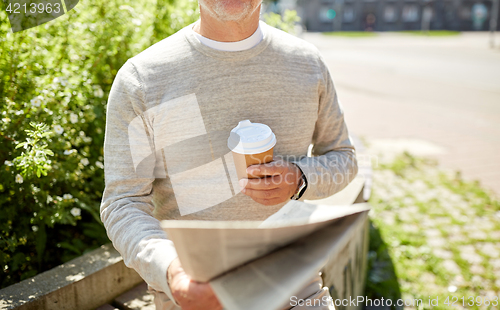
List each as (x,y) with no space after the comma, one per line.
(301,189)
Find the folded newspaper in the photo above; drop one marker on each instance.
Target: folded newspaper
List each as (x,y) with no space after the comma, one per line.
(260,265)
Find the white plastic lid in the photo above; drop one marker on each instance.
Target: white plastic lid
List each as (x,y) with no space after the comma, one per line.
(251,138)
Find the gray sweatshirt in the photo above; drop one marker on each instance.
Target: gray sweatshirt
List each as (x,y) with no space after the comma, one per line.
(169,115)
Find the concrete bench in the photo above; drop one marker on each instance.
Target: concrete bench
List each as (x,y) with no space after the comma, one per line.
(86,282)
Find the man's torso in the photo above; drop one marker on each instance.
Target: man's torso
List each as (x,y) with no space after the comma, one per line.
(194,99)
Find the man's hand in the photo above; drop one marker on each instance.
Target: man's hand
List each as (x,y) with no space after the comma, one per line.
(189,294)
(279,184)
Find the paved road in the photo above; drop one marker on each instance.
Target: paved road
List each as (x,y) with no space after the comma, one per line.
(439,94)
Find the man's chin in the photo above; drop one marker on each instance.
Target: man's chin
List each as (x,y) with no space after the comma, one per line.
(233,11)
(232,17)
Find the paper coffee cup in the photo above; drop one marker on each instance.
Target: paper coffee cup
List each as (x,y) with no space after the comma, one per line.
(251,144)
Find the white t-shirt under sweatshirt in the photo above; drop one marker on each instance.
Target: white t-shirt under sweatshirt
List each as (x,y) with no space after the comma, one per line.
(242,45)
(169,114)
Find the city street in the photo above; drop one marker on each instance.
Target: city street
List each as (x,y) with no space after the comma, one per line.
(435,96)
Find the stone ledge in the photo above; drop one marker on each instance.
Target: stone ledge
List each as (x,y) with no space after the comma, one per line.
(83,283)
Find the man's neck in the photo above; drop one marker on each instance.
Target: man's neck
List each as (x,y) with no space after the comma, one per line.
(227,31)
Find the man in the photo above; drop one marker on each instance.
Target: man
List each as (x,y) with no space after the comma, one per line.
(170,111)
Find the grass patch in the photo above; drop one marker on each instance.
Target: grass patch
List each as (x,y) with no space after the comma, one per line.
(431,33)
(351,34)
(428,227)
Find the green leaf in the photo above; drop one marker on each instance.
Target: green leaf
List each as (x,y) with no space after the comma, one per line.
(71,247)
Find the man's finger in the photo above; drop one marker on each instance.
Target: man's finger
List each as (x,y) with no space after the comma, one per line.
(269,202)
(269,169)
(261,184)
(201,294)
(263,194)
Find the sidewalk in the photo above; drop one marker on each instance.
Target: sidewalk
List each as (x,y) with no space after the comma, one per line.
(437,96)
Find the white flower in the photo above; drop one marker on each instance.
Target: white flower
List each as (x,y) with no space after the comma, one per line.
(452,288)
(67,196)
(62,81)
(49,199)
(19,179)
(98,91)
(136,22)
(84,161)
(99,164)
(8,163)
(37,101)
(58,129)
(76,211)
(73,118)
(69,152)
(34,228)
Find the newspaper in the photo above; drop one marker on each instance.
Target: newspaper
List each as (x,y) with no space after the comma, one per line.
(259,265)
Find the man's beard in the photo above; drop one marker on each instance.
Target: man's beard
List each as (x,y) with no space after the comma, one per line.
(219,11)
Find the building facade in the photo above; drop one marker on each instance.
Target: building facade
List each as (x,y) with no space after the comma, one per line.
(395,15)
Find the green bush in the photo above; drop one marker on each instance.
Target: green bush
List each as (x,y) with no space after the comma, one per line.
(54,83)
(285,22)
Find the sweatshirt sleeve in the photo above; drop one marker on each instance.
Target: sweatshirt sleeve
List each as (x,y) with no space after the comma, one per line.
(333,163)
(126,208)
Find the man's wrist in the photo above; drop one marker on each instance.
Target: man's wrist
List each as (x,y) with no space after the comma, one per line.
(172,271)
(169,277)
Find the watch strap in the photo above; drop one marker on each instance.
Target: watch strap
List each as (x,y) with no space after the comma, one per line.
(302,188)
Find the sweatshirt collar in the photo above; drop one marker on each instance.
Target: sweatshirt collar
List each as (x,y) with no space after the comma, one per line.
(190,36)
